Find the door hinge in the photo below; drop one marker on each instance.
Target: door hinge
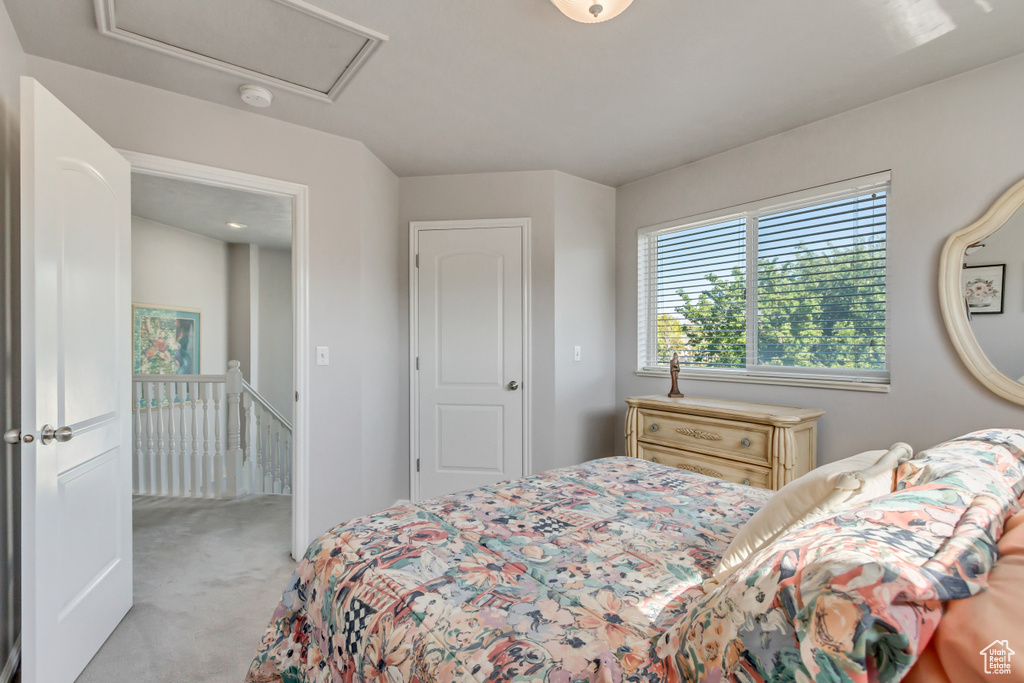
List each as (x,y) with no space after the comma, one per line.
(296,396)
(417,260)
(417,464)
(417,362)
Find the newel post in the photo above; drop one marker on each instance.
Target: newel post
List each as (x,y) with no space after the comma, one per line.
(233,457)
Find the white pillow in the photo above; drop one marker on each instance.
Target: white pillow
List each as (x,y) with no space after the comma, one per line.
(823,492)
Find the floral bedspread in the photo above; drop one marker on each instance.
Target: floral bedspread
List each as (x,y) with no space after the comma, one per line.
(565,576)
(594,572)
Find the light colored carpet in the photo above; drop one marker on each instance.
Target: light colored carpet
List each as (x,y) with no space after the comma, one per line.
(208,575)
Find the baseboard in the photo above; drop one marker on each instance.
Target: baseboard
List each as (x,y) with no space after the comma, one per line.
(11,666)
(400,501)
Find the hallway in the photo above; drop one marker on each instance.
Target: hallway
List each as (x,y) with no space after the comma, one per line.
(208,575)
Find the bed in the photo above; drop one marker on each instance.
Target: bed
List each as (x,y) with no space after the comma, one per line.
(597,573)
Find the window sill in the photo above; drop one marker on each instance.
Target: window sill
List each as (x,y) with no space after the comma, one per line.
(810,382)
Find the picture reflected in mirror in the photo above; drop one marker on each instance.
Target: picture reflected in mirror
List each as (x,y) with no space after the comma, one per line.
(993,287)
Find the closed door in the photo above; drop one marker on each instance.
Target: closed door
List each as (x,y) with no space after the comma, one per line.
(470,347)
(76,379)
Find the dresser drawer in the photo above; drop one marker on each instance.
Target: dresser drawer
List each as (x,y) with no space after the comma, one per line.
(736,440)
(736,472)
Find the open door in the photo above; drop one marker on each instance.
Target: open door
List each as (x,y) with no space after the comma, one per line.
(76,384)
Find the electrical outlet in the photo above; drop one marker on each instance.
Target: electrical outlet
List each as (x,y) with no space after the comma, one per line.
(323,355)
(577,353)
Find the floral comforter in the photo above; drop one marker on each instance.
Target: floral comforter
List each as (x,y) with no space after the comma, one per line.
(594,573)
(564,576)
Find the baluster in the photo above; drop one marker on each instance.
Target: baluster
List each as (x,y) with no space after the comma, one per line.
(195,459)
(139,475)
(272,452)
(268,453)
(172,443)
(248,469)
(286,460)
(182,458)
(151,459)
(278,471)
(258,486)
(218,459)
(207,461)
(160,460)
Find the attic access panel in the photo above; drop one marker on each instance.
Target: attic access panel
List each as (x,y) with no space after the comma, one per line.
(288,44)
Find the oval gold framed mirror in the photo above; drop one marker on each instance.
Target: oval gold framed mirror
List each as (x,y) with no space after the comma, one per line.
(997,236)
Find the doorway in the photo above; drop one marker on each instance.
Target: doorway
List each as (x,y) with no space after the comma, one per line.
(76,382)
(296,196)
(469,329)
(215,328)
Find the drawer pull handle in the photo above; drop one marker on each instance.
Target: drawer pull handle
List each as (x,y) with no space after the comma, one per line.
(654,427)
(745,481)
(706,471)
(745,443)
(653,459)
(699,434)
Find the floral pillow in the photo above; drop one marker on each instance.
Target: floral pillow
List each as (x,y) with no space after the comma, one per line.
(855,597)
(822,492)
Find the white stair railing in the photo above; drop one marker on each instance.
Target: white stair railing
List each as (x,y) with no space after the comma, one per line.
(267,444)
(186,446)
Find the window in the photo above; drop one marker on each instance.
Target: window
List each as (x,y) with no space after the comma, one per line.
(790,289)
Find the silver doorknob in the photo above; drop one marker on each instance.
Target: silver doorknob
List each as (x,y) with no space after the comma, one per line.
(12,436)
(60,434)
(513,385)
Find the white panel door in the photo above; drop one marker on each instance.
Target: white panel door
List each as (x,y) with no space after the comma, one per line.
(76,374)
(471,358)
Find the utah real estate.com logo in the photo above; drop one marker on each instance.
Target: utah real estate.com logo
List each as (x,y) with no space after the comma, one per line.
(997,657)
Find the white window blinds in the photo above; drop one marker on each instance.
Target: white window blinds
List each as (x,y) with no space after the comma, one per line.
(702,272)
(790,286)
(821,285)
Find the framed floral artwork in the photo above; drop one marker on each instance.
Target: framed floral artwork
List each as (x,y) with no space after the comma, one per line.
(165,341)
(983,288)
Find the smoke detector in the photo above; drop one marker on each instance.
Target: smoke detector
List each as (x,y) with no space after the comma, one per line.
(255,96)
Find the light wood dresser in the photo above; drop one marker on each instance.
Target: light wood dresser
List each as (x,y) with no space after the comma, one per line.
(748,443)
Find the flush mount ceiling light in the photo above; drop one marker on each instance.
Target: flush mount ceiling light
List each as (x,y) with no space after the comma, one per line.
(237,226)
(591,11)
(255,96)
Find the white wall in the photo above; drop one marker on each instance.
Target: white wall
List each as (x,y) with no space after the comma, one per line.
(175,268)
(338,172)
(585,422)
(1002,335)
(239,312)
(383,352)
(570,218)
(12,64)
(276,329)
(953,147)
(498,195)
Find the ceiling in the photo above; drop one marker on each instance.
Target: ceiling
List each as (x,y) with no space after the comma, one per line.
(207,209)
(467,86)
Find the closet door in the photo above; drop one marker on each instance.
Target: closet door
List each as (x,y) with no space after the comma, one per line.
(471,357)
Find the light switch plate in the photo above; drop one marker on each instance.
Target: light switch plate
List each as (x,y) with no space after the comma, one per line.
(323,355)
(577,353)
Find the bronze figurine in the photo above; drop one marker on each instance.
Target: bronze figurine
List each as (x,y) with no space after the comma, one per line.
(674,369)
